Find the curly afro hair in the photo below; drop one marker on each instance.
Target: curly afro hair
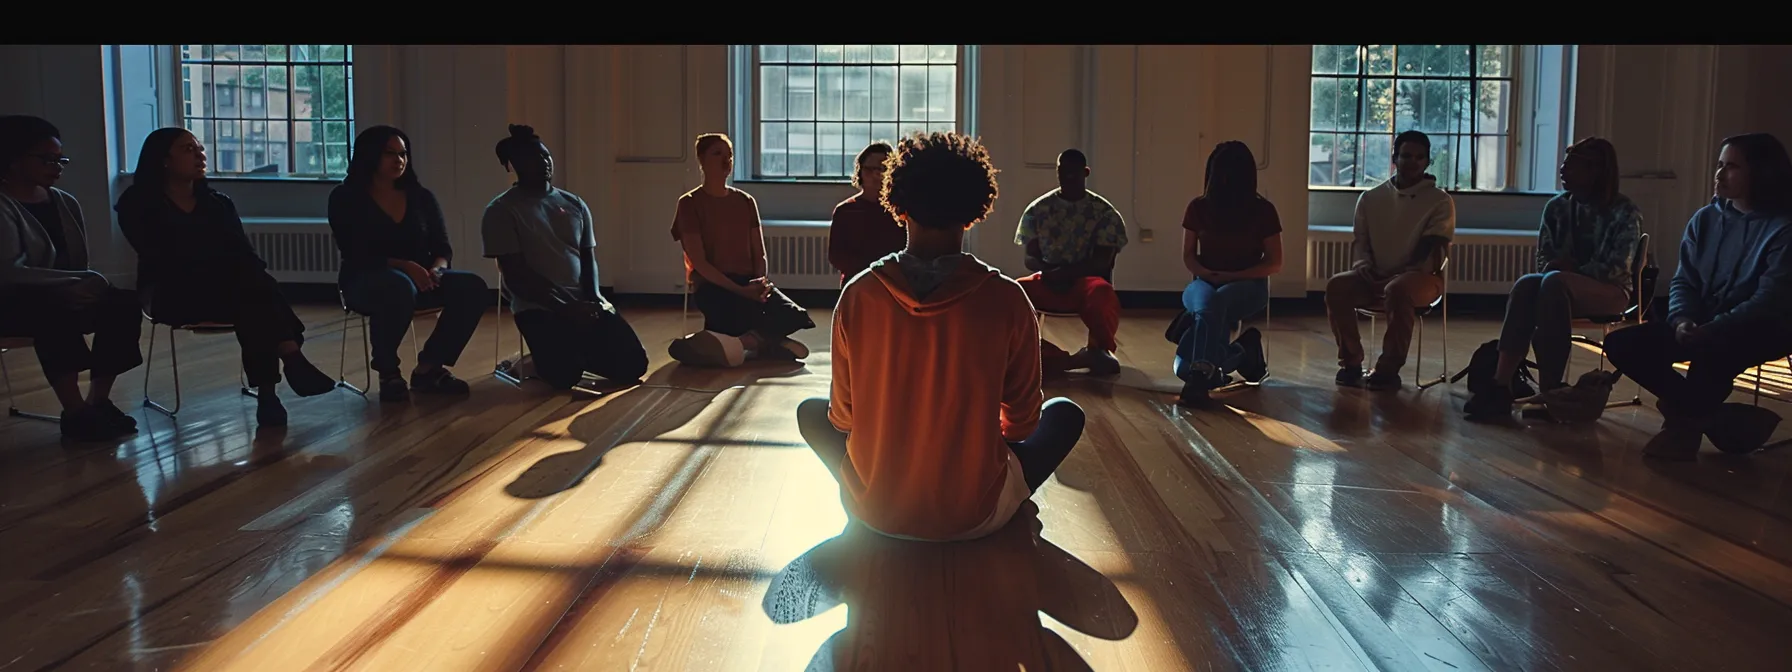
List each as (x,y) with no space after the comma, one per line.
(940,181)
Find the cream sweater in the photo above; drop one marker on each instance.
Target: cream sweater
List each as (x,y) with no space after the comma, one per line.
(1390,222)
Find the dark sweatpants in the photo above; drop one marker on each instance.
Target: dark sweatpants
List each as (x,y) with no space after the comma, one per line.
(56,329)
(245,297)
(1647,353)
(564,350)
(725,312)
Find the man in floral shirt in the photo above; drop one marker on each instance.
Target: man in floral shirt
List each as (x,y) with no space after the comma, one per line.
(1071,236)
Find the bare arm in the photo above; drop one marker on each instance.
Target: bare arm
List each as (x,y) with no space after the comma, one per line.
(1035,257)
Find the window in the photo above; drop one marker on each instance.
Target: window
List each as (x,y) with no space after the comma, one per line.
(808,109)
(1462,95)
(287,110)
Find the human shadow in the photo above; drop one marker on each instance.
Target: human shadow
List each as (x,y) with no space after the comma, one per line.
(935,606)
(671,397)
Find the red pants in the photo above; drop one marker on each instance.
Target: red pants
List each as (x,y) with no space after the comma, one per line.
(1092,299)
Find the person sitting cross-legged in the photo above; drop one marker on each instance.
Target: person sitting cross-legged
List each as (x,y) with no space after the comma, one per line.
(936,428)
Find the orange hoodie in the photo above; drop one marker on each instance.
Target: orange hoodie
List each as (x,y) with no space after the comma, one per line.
(913,380)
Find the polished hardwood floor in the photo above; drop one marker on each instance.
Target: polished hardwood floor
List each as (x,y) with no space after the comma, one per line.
(684,524)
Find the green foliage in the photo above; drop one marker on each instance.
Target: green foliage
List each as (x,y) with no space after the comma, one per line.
(320,79)
(1362,95)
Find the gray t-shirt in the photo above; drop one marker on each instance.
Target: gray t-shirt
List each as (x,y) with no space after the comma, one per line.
(550,231)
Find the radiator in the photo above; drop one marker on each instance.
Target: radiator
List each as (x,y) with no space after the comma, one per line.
(1481,262)
(296,250)
(797,257)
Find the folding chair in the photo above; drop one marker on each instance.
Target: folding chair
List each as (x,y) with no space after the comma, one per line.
(1442,305)
(8,344)
(1641,295)
(349,315)
(174,359)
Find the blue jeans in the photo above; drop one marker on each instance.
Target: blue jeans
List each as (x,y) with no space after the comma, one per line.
(388,298)
(1216,311)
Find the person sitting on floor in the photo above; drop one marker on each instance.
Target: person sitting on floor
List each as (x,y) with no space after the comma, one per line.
(47,291)
(545,243)
(1727,307)
(1231,244)
(195,265)
(926,343)
(395,256)
(862,230)
(1585,247)
(1403,230)
(1072,236)
(744,316)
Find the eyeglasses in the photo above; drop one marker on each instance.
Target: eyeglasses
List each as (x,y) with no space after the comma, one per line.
(52,160)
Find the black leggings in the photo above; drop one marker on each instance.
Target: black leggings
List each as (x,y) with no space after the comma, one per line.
(725,312)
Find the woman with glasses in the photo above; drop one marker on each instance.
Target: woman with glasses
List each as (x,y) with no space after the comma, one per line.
(47,291)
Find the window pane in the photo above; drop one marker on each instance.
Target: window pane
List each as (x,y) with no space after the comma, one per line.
(883,53)
(772,144)
(883,93)
(829,53)
(942,53)
(830,92)
(1375,159)
(802,149)
(304,92)
(914,53)
(858,93)
(774,92)
(942,87)
(855,137)
(1378,59)
(1334,59)
(1334,104)
(308,151)
(334,93)
(858,53)
(1494,107)
(829,144)
(1378,105)
(885,133)
(773,53)
(912,97)
(802,53)
(802,92)
(1330,159)
(1490,162)
(1495,61)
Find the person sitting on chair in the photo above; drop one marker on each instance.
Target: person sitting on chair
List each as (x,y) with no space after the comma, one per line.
(1727,307)
(1072,236)
(545,244)
(1231,244)
(395,256)
(862,231)
(744,316)
(47,291)
(924,345)
(195,265)
(1585,247)
(1403,230)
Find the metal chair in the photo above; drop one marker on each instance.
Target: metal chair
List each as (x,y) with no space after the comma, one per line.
(8,344)
(174,359)
(1442,305)
(1641,296)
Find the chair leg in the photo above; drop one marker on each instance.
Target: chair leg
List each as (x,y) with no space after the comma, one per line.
(174,367)
(1442,377)
(348,317)
(12,408)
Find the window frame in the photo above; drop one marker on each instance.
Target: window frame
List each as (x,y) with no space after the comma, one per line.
(173,72)
(1519,144)
(743,80)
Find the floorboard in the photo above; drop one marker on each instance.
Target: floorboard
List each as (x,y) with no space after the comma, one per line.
(684,524)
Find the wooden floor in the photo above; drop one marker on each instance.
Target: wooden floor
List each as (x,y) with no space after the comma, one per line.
(684,525)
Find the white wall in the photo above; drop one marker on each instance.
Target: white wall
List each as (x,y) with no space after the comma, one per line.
(620,120)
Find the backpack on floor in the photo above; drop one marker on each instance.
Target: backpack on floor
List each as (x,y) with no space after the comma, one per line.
(1583,402)
(1179,325)
(1481,367)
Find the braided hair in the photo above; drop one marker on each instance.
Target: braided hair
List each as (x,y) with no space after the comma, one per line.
(521,136)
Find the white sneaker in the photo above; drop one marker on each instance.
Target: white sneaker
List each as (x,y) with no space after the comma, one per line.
(708,348)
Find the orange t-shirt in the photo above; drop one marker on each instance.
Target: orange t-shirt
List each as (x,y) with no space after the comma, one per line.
(930,391)
(730,229)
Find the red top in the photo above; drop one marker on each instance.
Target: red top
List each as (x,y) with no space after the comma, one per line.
(1231,241)
(862,232)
